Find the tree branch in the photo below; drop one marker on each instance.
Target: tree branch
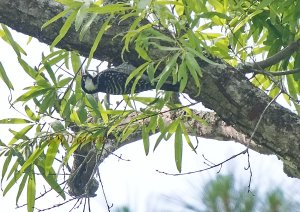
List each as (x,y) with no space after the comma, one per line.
(224,90)
(273,73)
(284,53)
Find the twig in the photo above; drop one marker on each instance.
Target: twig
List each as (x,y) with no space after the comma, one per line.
(273,73)
(208,168)
(108,206)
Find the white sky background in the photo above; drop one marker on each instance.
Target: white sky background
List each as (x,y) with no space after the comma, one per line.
(136,182)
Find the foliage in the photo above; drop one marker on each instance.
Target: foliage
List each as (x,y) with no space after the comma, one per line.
(224,194)
(188,33)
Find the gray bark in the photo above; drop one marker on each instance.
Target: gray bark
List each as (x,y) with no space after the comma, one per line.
(224,90)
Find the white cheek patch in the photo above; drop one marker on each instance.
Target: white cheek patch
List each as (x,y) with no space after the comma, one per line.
(89,85)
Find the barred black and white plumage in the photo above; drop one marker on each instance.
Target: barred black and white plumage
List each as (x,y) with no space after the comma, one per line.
(113,82)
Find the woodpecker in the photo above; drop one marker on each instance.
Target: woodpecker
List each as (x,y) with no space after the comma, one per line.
(113,82)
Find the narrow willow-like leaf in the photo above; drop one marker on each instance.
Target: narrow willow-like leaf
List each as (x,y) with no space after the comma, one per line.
(103,29)
(55,18)
(65,28)
(63,82)
(50,72)
(128,131)
(86,26)
(51,153)
(17,48)
(145,137)
(178,148)
(81,15)
(109,8)
(30,113)
(172,127)
(14,121)
(136,72)
(32,93)
(182,76)
(245,20)
(31,192)
(19,134)
(192,71)
(31,160)
(6,164)
(187,137)
(51,179)
(29,70)
(103,112)
(12,181)
(92,105)
(48,101)
(5,78)
(57,126)
(74,117)
(167,71)
(21,186)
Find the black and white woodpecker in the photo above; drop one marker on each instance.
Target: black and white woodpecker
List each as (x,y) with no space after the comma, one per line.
(113,82)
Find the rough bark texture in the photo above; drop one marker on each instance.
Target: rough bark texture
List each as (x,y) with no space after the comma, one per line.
(224,89)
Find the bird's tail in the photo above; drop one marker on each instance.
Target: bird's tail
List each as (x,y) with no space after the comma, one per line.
(170,87)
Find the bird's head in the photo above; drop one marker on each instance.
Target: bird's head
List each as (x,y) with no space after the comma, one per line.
(88,84)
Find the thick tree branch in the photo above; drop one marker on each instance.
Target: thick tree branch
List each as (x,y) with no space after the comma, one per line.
(224,90)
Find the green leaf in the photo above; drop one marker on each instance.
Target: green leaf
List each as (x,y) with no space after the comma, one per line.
(6,164)
(65,28)
(30,114)
(55,18)
(14,121)
(31,160)
(263,4)
(17,48)
(74,117)
(48,101)
(4,77)
(178,148)
(92,105)
(167,71)
(50,72)
(190,60)
(192,71)
(31,192)
(187,137)
(51,153)
(20,135)
(136,72)
(51,178)
(29,70)
(103,29)
(86,26)
(171,128)
(81,15)
(109,8)
(21,187)
(103,113)
(14,168)
(182,76)
(145,137)
(64,82)
(57,126)
(75,61)
(32,93)
(246,20)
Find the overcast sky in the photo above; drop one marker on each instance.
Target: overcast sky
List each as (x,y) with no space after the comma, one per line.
(136,182)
